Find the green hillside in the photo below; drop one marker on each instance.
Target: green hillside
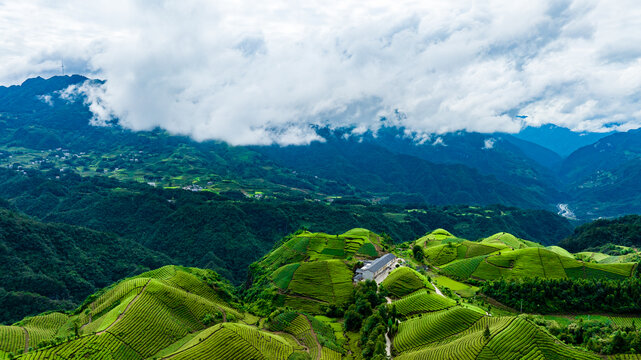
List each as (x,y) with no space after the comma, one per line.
(503,255)
(180,224)
(403,281)
(311,271)
(459,334)
(135,318)
(625,231)
(54,266)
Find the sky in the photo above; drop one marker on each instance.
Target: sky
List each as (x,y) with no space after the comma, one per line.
(263,72)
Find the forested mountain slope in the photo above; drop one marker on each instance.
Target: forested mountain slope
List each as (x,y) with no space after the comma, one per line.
(44,265)
(624,231)
(202,228)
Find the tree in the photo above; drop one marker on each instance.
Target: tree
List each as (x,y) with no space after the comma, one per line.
(418,253)
(352,320)
(486,333)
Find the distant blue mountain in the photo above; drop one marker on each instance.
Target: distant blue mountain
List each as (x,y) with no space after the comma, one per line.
(561,140)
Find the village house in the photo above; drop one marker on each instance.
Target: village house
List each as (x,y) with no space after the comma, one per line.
(374,268)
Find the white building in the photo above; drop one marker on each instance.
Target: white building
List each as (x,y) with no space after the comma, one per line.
(372,269)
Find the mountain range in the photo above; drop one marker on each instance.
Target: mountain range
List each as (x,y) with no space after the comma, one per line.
(42,130)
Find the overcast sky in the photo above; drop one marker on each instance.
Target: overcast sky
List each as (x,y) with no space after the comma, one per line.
(263,71)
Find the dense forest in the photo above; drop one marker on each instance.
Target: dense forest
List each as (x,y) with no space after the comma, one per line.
(47,266)
(568,295)
(625,231)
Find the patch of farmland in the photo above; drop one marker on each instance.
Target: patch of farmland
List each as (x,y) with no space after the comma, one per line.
(404,281)
(523,340)
(465,345)
(329,281)
(235,342)
(420,331)
(463,268)
(422,301)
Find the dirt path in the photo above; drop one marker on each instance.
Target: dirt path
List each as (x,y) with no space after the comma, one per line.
(302,297)
(26,341)
(320,348)
(293,337)
(124,311)
(83,325)
(437,290)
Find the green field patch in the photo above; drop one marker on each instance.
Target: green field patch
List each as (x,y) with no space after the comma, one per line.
(522,339)
(464,345)
(441,254)
(508,240)
(463,268)
(560,251)
(235,342)
(422,301)
(284,274)
(339,253)
(328,281)
(404,281)
(420,331)
(368,249)
(460,288)
(478,249)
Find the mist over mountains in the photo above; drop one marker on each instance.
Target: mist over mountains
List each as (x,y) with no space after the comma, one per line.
(392,165)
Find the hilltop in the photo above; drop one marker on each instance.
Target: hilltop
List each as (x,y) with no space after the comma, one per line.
(504,256)
(311,271)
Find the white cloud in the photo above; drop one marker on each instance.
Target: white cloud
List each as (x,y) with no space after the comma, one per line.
(439,142)
(488,144)
(263,72)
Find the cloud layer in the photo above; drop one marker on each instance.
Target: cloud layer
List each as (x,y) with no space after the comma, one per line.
(265,72)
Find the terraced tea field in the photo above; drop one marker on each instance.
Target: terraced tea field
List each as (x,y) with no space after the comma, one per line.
(422,301)
(234,342)
(135,318)
(461,336)
(320,282)
(307,246)
(404,281)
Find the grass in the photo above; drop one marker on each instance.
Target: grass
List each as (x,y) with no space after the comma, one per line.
(308,246)
(142,315)
(463,268)
(522,339)
(510,338)
(509,240)
(543,263)
(464,345)
(441,254)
